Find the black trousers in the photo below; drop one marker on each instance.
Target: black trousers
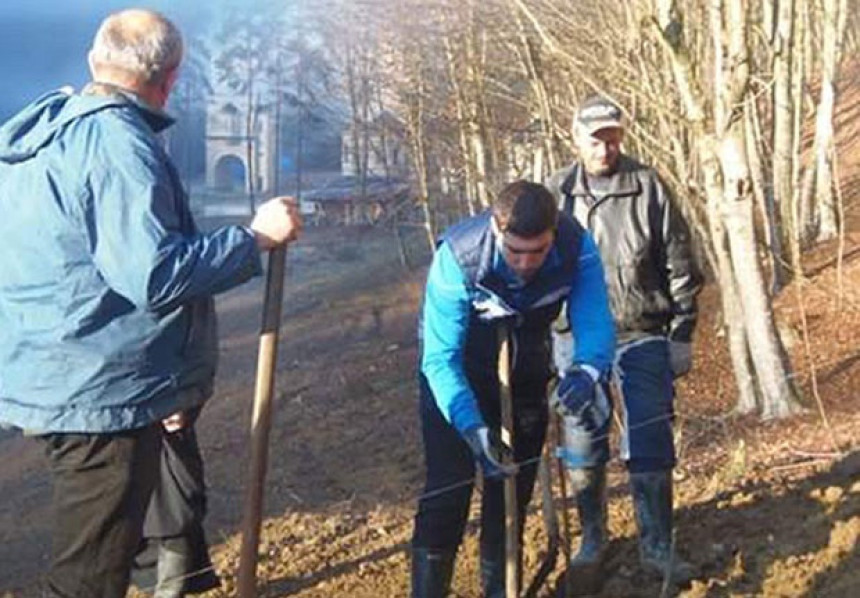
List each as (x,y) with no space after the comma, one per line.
(175,515)
(102,485)
(444,506)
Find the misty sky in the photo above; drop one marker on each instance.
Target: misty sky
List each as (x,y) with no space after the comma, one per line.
(43,43)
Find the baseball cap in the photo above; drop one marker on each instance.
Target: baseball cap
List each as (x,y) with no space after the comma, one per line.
(598,112)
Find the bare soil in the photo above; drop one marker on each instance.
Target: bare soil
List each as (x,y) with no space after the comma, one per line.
(763,509)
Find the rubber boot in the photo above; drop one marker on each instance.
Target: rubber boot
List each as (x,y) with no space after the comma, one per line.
(431,572)
(174,564)
(585,573)
(493,568)
(652,500)
(206,578)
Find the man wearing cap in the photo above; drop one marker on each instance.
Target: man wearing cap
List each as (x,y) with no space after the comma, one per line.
(653,281)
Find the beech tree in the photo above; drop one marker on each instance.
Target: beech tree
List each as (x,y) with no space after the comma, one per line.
(718,93)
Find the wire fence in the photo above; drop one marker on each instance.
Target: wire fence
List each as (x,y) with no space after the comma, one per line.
(435,492)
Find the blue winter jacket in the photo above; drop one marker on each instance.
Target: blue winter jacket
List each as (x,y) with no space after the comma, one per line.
(470,289)
(106,312)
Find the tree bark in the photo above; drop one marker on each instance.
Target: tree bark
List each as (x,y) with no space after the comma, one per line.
(733,320)
(765,347)
(766,350)
(468,175)
(415,125)
(723,160)
(833,23)
(250,125)
(783,123)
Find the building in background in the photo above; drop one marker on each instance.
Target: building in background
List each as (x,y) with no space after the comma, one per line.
(227,166)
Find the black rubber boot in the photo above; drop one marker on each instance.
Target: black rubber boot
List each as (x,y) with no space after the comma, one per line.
(431,572)
(585,573)
(183,568)
(652,499)
(174,563)
(493,569)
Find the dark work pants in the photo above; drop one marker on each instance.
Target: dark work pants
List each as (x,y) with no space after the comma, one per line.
(444,506)
(647,405)
(175,514)
(102,485)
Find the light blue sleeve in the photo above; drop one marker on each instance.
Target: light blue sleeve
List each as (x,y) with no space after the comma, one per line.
(445,324)
(588,311)
(139,246)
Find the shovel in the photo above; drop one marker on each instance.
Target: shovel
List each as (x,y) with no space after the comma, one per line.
(261,423)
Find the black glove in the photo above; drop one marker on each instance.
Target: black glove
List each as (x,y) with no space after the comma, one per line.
(489,452)
(680,358)
(576,391)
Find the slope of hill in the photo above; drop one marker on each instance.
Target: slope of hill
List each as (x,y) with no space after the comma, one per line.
(763,509)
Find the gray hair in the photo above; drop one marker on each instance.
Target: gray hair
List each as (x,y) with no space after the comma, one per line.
(142,43)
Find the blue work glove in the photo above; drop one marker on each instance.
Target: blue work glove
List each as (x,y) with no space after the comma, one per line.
(576,391)
(489,452)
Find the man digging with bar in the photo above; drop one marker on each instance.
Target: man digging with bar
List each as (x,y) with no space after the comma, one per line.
(107,323)
(512,266)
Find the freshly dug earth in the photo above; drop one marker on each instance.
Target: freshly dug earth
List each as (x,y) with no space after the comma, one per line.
(762,509)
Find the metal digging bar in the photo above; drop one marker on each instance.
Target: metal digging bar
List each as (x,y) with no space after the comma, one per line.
(512,532)
(550,519)
(549,508)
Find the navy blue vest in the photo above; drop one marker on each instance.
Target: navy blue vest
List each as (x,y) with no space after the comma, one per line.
(473,245)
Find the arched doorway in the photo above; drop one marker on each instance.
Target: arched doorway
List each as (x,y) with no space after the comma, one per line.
(230,173)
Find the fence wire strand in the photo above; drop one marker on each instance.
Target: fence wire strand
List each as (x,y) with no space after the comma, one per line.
(428,494)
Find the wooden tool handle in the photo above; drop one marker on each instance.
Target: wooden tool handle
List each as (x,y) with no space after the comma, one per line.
(261,421)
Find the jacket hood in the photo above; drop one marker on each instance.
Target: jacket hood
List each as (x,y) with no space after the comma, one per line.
(37,125)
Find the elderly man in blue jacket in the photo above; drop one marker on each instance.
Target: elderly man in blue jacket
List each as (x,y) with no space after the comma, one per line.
(106,289)
(513,266)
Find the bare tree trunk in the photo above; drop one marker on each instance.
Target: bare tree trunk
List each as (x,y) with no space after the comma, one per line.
(764,203)
(250,122)
(834,17)
(480,155)
(730,288)
(415,124)
(733,320)
(475,126)
(804,218)
(401,243)
(300,125)
(766,350)
(383,135)
(534,69)
(723,158)
(783,122)
(489,143)
(354,103)
(469,179)
(365,127)
(276,181)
